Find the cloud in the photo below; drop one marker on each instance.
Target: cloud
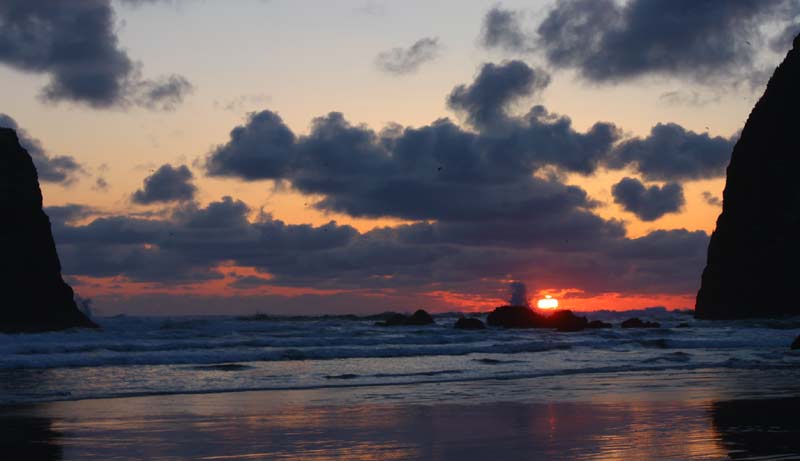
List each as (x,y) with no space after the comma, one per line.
(503,29)
(244,102)
(711,199)
(61,169)
(611,41)
(688,98)
(190,245)
(165,93)
(261,149)
(783,42)
(75,44)
(482,205)
(671,153)
(648,203)
(439,171)
(401,61)
(68,213)
(446,173)
(167,184)
(486,100)
(100,184)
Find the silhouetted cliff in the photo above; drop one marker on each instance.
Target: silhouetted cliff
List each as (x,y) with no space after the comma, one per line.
(34,296)
(753,265)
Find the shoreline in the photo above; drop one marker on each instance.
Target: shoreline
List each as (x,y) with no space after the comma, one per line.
(690,415)
(580,374)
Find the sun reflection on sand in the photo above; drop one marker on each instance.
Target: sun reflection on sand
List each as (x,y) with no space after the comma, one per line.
(287,426)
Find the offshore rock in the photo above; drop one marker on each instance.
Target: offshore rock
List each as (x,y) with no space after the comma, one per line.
(469,323)
(754,254)
(525,317)
(35,297)
(639,323)
(418,318)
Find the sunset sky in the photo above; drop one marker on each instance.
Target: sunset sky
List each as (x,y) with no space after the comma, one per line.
(296,157)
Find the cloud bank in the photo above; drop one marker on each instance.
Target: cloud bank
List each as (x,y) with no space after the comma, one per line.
(76,45)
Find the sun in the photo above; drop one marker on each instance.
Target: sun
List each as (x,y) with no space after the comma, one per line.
(548,302)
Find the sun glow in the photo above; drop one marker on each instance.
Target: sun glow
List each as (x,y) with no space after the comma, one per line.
(548,302)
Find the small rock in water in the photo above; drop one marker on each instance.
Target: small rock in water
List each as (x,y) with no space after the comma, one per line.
(419,317)
(465,323)
(638,323)
(514,317)
(683,325)
(566,321)
(597,324)
(796,344)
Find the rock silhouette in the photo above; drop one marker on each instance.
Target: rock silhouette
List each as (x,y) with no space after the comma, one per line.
(636,322)
(35,297)
(525,317)
(469,323)
(753,256)
(418,318)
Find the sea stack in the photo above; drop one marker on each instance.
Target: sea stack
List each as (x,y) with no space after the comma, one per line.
(35,297)
(753,265)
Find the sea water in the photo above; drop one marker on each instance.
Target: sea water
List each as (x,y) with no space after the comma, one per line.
(132,356)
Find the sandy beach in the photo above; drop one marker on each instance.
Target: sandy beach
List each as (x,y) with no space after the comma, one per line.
(610,417)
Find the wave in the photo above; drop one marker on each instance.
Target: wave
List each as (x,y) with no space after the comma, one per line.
(350,381)
(131,341)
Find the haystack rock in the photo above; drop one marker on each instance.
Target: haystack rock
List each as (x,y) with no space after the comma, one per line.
(754,254)
(35,297)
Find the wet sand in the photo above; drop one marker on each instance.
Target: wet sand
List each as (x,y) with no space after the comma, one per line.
(601,419)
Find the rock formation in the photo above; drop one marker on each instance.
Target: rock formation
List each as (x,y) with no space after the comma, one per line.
(636,322)
(418,318)
(35,297)
(469,323)
(525,317)
(754,255)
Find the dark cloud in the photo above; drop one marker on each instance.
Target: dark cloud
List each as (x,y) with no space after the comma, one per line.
(167,184)
(712,199)
(486,100)
(190,245)
(165,93)
(437,171)
(62,214)
(700,39)
(671,152)
(101,184)
(261,149)
(445,173)
(400,61)
(503,29)
(609,40)
(648,203)
(483,205)
(62,169)
(75,44)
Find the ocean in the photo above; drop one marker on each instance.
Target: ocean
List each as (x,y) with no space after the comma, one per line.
(136,356)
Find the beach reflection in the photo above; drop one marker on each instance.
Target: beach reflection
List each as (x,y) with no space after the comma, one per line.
(758,429)
(293,426)
(29,438)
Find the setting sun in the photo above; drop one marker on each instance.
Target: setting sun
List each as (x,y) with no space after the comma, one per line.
(548,302)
